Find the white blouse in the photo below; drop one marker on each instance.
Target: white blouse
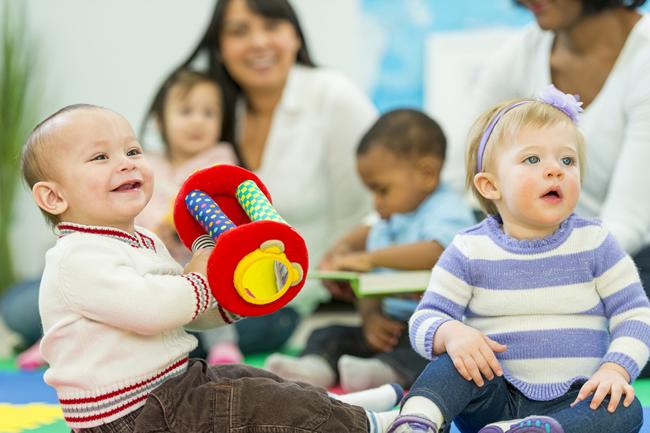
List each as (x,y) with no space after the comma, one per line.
(309,162)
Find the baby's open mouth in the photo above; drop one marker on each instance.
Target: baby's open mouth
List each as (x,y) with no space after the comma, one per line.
(128,186)
(552,194)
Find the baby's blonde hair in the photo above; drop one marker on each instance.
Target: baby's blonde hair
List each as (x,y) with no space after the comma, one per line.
(532,113)
(38,151)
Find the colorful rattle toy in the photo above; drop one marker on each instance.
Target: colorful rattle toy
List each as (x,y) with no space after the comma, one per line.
(259,262)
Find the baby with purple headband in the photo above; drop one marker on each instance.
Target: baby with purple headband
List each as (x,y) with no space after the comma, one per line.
(535,315)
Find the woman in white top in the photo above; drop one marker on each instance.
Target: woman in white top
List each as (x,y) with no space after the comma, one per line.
(599,50)
(296,126)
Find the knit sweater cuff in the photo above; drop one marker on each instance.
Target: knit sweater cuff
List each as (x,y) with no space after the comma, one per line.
(201,292)
(424,345)
(624,361)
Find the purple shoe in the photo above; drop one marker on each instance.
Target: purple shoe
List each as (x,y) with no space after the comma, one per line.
(531,424)
(412,424)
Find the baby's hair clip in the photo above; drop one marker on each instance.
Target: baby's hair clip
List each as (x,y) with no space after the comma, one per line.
(565,102)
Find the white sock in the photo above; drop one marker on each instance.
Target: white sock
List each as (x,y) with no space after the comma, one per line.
(312,369)
(379,422)
(422,406)
(382,398)
(363,373)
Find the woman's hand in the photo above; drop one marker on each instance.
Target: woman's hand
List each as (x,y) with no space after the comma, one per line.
(471,351)
(610,379)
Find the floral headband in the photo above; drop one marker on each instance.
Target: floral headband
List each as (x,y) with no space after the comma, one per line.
(566,103)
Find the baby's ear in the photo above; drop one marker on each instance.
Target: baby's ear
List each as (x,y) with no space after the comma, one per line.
(47,197)
(487,186)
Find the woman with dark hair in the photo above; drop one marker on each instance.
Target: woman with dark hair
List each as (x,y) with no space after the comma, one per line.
(600,51)
(296,126)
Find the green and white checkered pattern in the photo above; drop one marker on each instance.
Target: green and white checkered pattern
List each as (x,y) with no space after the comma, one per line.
(255,203)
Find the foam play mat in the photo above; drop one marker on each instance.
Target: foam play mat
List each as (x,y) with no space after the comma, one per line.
(28,405)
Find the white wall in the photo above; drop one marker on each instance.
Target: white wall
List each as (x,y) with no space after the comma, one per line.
(115,53)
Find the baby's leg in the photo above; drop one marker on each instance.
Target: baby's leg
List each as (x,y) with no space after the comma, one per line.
(582,419)
(401,365)
(363,373)
(440,394)
(285,397)
(317,364)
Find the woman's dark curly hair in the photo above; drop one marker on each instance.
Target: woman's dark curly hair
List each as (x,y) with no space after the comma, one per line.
(594,6)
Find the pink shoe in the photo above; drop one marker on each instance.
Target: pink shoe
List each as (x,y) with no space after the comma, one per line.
(31,358)
(225,353)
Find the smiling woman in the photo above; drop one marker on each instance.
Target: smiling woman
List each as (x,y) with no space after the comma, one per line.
(293,124)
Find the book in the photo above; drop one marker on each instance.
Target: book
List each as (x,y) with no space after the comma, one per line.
(377,283)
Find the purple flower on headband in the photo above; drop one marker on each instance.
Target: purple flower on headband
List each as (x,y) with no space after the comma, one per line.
(568,104)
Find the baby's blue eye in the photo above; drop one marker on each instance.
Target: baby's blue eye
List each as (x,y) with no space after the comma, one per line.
(99,157)
(567,160)
(532,159)
(134,152)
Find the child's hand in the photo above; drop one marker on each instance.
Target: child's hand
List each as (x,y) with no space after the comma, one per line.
(471,351)
(199,262)
(382,333)
(339,289)
(358,262)
(610,379)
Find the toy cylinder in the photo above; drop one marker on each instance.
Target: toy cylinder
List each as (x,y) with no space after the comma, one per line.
(255,203)
(208,214)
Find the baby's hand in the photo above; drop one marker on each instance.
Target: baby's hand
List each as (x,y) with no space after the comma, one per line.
(358,262)
(199,262)
(382,333)
(610,379)
(339,289)
(471,351)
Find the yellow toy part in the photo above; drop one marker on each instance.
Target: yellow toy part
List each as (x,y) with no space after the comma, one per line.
(265,274)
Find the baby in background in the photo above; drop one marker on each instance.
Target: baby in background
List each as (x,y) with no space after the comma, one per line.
(112,292)
(399,159)
(536,315)
(187,111)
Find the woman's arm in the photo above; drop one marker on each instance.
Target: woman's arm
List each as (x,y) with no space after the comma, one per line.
(626,209)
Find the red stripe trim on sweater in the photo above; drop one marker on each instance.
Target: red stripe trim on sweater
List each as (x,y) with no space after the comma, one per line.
(197,297)
(103,415)
(144,241)
(123,390)
(98,231)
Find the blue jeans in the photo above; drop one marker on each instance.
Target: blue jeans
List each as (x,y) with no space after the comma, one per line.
(472,407)
(19,309)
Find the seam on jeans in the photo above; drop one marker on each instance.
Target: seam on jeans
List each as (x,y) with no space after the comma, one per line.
(162,409)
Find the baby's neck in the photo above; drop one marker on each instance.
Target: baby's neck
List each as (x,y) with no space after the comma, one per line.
(522,232)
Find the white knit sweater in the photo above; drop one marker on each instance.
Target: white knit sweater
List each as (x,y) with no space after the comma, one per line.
(113,307)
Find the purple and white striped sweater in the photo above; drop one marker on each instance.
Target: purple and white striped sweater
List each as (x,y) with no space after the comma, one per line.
(564,304)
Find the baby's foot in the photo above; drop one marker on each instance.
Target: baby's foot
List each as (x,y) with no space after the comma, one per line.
(31,358)
(225,353)
(531,424)
(312,369)
(412,424)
